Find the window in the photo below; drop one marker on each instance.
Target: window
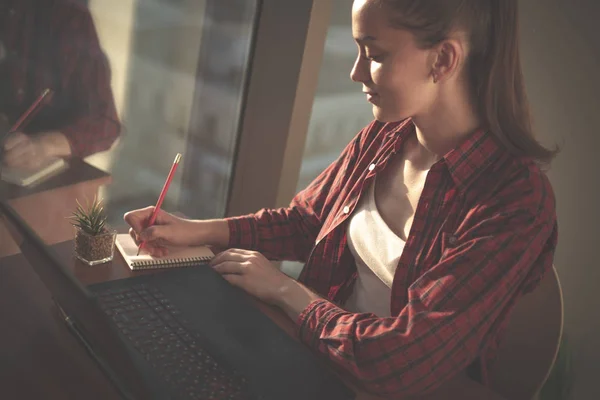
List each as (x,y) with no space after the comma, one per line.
(178,76)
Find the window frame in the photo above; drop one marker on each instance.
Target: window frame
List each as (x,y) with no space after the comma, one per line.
(278,102)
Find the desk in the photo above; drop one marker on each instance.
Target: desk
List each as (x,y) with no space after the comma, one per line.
(45,206)
(39,358)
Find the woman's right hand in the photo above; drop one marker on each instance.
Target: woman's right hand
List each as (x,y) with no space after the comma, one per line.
(168,230)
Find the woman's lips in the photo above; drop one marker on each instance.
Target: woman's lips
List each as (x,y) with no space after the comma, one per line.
(371,96)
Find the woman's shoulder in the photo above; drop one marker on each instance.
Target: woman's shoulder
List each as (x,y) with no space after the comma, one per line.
(517,183)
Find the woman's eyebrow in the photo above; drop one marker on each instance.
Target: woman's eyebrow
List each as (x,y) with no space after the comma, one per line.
(366,38)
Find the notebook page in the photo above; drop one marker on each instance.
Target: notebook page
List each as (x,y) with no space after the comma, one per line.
(129,249)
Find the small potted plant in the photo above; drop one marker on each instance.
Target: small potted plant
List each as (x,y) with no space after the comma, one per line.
(94,241)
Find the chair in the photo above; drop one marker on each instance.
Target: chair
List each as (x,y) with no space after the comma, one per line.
(526,354)
(530,344)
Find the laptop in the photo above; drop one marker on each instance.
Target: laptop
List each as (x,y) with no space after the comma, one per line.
(179,334)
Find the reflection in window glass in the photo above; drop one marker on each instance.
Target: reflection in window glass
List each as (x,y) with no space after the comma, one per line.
(178,70)
(133,83)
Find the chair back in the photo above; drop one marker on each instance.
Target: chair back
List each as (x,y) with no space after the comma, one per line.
(530,344)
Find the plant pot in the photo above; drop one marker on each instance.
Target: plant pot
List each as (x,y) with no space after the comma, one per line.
(94,249)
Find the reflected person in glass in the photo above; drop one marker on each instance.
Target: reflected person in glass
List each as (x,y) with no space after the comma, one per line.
(435,219)
(53,44)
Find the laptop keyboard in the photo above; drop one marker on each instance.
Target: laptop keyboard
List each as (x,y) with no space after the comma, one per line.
(158,330)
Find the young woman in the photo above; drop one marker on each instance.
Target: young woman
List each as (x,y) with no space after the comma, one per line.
(419,239)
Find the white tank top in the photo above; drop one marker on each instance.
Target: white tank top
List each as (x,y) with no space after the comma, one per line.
(376,250)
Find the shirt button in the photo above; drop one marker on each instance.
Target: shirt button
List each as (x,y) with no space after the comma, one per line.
(371,167)
(20,91)
(452,240)
(346,210)
(12,12)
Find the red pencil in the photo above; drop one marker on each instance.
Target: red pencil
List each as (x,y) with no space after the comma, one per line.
(162,195)
(31,111)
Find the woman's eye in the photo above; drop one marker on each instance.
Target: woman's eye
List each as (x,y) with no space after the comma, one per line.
(375,58)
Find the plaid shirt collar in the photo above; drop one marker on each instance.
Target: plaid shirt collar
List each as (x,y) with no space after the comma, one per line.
(467,161)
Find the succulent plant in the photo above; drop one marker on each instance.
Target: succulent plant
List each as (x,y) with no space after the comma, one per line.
(92,219)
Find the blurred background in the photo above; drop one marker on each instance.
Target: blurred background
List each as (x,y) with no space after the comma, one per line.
(214,78)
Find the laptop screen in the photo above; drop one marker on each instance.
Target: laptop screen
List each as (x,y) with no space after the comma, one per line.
(78,305)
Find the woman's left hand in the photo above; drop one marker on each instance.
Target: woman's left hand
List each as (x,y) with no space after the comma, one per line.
(252,272)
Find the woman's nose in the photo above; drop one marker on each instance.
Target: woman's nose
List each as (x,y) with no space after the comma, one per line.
(360,71)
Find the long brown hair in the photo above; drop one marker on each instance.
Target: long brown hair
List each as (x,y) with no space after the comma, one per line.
(493,66)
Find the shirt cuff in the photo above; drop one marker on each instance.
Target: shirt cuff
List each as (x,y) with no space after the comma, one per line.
(313,318)
(87,136)
(243,232)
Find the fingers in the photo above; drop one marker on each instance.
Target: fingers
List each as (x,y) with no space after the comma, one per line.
(138,219)
(19,157)
(160,234)
(18,150)
(231,267)
(135,236)
(237,255)
(154,248)
(232,261)
(15,139)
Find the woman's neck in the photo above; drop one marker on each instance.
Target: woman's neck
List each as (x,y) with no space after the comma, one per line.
(450,120)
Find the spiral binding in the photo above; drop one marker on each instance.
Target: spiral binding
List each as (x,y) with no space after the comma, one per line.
(181,262)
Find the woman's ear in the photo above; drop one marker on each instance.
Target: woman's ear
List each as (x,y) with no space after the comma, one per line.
(447,58)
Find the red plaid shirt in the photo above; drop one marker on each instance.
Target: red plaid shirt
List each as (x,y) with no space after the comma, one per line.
(53,44)
(484,232)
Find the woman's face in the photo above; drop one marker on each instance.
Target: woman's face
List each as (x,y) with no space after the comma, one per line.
(394,72)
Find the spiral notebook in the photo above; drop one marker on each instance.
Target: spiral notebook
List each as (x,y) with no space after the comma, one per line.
(178,257)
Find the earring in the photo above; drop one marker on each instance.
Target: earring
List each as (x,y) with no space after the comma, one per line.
(435,77)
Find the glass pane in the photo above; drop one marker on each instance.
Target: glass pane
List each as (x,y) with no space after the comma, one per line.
(339,110)
(133,84)
(182,67)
